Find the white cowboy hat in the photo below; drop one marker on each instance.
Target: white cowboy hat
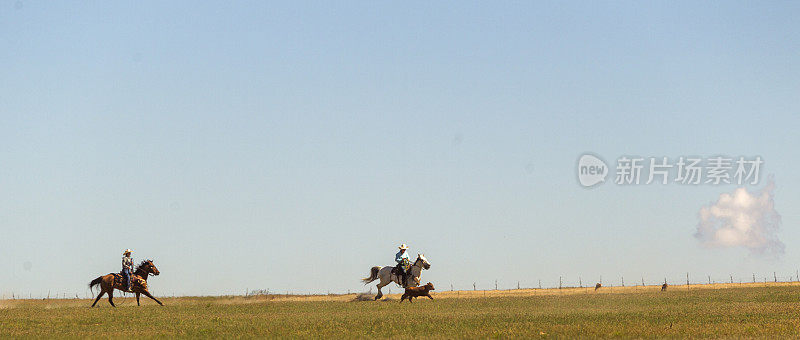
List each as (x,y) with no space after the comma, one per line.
(127,251)
(403,246)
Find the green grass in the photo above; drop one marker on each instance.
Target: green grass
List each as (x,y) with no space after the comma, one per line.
(737,312)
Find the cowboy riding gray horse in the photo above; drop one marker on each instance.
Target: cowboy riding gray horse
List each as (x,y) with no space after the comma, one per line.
(405,274)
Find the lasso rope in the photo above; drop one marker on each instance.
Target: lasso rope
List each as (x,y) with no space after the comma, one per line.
(124,298)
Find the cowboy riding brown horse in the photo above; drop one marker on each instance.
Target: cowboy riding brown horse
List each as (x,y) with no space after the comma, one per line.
(138,283)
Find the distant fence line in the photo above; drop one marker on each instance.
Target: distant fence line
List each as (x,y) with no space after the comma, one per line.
(621,281)
(562,282)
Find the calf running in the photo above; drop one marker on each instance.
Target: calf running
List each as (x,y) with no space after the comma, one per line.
(412,292)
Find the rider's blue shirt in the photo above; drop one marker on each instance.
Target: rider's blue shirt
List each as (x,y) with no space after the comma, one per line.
(400,256)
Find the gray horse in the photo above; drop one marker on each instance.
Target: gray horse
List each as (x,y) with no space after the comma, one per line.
(386,275)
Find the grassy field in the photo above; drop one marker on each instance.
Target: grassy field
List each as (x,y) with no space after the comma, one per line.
(764,310)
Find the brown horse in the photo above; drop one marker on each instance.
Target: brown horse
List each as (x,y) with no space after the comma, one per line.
(138,283)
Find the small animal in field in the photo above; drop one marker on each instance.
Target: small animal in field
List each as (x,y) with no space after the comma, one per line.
(412,292)
(664,287)
(597,286)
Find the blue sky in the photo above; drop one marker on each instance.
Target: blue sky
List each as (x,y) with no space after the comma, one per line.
(291,147)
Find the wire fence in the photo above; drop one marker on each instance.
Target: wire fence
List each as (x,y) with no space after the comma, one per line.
(687,279)
(562,282)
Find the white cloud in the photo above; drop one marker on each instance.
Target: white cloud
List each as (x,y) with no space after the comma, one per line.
(742,219)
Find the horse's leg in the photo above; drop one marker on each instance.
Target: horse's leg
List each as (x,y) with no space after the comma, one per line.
(111,297)
(147,294)
(403,298)
(380,293)
(430,297)
(137,299)
(99,296)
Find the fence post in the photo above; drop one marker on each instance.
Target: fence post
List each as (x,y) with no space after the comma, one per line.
(559,282)
(687,280)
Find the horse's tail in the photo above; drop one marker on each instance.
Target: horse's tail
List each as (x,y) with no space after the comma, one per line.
(373,275)
(95,282)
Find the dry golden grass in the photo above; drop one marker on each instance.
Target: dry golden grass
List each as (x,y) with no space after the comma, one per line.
(440,294)
(761,310)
